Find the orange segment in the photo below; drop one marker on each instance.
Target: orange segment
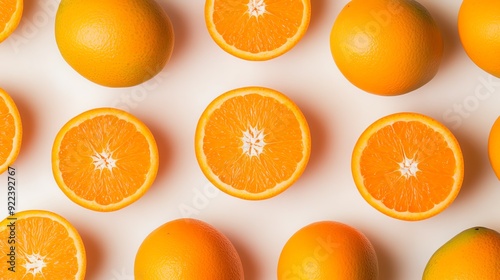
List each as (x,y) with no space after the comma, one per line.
(11,12)
(104,159)
(252,142)
(46,246)
(11,131)
(408,166)
(257,29)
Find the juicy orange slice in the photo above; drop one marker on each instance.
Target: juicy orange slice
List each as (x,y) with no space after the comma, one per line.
(104,159)
(11,12)
(257,29)
(11,131)
(252,142)
(38,244)
(408,166)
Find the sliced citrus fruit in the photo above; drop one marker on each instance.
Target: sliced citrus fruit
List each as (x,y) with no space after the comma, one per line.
(408,166)
(257,29)
(39,244)
(11,131)
(252,142)
(104,159)
(11,12)
(494,147)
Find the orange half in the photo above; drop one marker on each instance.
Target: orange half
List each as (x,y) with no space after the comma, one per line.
(38,244)
(408,166)
(11,131)
(252,142)
(11,12)
(257,29)
(104,159)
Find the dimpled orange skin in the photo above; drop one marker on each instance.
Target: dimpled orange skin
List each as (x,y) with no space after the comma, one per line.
(187,249)
(473,254)
(114,43)
(386,47)
(478,22)
(328,250)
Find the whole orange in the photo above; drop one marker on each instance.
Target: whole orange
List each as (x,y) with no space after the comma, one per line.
(187,249)
(114,43)
(328,250)
(478,28)
(386,47)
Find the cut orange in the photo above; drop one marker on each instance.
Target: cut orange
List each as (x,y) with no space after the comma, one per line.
(39,244)
(11,131)
(104,159)
(11,12)
(408,166)
(257,29)
(252,142)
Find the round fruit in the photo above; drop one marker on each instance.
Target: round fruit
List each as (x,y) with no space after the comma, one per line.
(104,159)
(187,249)
(257,30)
(478,23)
(114,43)
(46,246)
(10,16)
(252,142)
(473,254)
(11,131)
(408,166)
(494,147)
(328,250)
(386,47)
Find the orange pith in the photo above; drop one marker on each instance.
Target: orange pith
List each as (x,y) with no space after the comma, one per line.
(257,30)
(408,166)
(252,142)
(10,15)
(104,159)
(46,247)
(11,131)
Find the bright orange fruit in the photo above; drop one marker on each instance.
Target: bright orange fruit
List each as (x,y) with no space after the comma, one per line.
(494,147)
(104,159)
(257,29)
(187,249)
(11,131)
(252,142)
(11,12)
(40,245)
(408,166)
(114,43)
(328,250)
(386,47)
(473,254)
(479,34)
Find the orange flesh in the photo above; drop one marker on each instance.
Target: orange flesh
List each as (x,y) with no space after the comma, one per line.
(6,12)
(116,137)
(261,33)
(7,131)
(432,183)
(282,151)
(43,237)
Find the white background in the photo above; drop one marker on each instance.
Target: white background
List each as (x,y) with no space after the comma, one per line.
(48,93)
